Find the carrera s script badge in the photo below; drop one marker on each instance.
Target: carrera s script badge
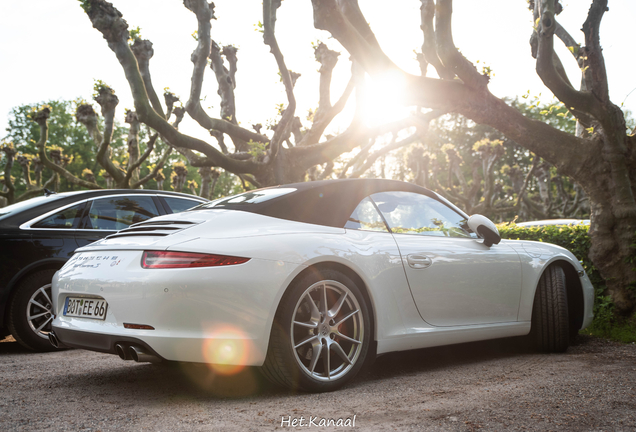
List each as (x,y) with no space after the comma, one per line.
(94,261)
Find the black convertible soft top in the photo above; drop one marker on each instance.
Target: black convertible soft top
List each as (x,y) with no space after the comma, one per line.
(325,202)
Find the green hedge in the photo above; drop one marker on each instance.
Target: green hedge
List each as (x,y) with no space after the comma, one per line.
(576,239)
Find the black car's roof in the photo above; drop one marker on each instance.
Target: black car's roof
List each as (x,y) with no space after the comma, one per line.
(43,204)
(325,202)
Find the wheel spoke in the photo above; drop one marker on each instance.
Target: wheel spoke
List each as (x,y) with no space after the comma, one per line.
(315,355)
(345,337)
(336,308)
(310,324)
(326,360)
(36,303)
(43,291)
(32,317)
(307,339)
(324,300)
(44,325)
(338,350)
(315,313)
(347,317)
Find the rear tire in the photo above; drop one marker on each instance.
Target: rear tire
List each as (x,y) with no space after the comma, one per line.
(550,322)
(321,334)
(31,311)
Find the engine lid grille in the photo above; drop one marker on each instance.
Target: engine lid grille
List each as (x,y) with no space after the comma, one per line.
(158,228)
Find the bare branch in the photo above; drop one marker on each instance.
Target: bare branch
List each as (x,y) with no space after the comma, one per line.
(550,69)
(429,51)
(10,153)
(170,99)
(109,22)
(133,146)
(149,148)
(448,53)
(269,37)
(225,82)
(87,116)
(153,174)
(204,13)
(143,52)
(325,112)
(108,102)
(364,151)
(370,160)
(526,181)
(41,118)
(593,51)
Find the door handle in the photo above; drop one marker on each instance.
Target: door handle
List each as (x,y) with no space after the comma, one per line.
(418,261)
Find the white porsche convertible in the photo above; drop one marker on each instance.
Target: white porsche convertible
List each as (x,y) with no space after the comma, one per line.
(311,280)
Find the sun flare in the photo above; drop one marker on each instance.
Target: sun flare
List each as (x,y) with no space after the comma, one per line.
(383,99)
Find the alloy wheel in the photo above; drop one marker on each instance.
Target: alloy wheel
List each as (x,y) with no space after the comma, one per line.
(327,330)
(40,311)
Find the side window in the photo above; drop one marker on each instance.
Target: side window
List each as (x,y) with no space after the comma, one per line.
(366,217)
(117,213)
(67,218)
(411,213)
(180,204)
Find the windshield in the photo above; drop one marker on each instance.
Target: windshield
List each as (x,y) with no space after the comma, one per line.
(251,197)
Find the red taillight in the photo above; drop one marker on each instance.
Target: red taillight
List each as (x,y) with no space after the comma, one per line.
(164,260)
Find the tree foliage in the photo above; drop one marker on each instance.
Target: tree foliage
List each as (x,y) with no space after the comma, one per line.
(484,172)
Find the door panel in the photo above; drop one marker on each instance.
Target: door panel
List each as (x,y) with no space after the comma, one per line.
(457,281)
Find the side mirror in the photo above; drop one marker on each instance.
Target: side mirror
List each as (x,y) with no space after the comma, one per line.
(485,229)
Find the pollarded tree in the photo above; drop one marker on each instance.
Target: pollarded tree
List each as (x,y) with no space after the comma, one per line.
(117,176)
(28,174)
(114,174)
(600,156)
(59,154)
(291,153)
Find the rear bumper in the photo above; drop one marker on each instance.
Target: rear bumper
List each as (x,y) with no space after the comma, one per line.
(202,315)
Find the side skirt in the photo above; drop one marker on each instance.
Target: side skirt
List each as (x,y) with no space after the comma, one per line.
(439,336)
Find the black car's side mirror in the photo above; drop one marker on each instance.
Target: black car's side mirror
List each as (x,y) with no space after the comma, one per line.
(485,229)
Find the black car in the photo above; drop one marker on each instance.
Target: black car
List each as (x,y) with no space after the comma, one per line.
(39,235)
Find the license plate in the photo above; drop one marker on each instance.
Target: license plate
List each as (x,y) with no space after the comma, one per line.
(85,308)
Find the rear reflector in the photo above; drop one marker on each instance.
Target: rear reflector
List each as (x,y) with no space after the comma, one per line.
(165,260)
(138,326)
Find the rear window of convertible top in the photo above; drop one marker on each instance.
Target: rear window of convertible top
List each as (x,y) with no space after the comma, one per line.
(247,198)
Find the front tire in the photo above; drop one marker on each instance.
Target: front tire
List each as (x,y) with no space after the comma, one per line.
(321,334)
(550,320)
(31,311)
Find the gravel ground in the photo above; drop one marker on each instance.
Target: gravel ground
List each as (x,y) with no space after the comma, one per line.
(495,385)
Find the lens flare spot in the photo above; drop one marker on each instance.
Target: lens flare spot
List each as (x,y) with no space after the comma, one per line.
(226,350)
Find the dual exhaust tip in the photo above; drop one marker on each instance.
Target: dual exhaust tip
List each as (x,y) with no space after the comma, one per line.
(125,352)
(55,341)
(132,352)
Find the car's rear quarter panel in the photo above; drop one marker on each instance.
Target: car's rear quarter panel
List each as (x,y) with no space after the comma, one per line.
(185,306)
